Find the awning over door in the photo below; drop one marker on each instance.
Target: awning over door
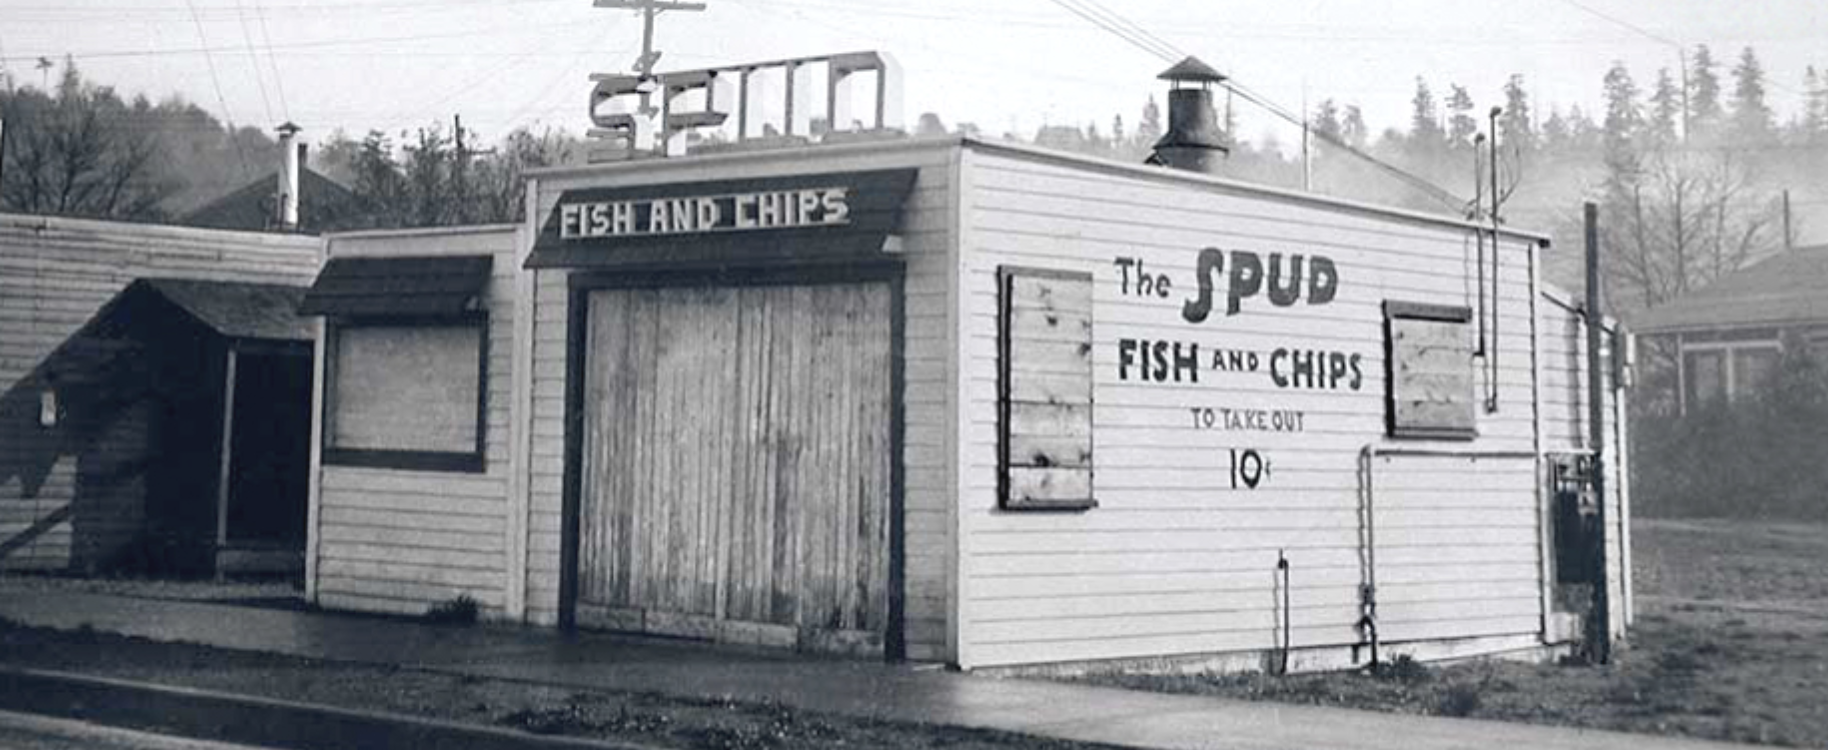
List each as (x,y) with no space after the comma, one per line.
(835,216)
(407,286)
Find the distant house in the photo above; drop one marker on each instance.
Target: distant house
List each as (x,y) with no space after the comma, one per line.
(1728,336)
(325,205)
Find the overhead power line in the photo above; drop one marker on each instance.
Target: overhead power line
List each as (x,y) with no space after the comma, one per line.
(279,84)
(216,81)
(314,44)
(1142,39)
(260,82)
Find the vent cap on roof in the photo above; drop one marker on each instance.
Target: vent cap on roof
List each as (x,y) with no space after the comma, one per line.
(1194,142)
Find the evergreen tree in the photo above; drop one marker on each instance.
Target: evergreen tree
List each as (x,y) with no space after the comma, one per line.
(1815,107)
(1583,134)
(1704,112)
(1149,128)
(1752,119)
(1352,127)
(1665,109)
(1426,139)
(1461,124)
(1555,134)
(1514,125)
(1623,123)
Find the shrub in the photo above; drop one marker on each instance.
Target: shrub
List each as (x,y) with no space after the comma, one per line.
(1404,669)
(1759,457)
(1461,699)
(459,611)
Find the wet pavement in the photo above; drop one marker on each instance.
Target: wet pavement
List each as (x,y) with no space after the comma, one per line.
(857,688)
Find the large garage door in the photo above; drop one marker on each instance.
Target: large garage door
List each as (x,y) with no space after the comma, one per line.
(735,474)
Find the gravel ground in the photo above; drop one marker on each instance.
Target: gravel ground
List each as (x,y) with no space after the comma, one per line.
(653,719)
(274,592)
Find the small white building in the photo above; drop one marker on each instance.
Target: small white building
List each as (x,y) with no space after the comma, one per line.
(959,401)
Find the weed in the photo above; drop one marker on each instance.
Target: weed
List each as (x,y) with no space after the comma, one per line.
(1461,699)
(459,611)
(1404,669)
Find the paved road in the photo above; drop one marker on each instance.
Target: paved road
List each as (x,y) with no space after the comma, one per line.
(33,732)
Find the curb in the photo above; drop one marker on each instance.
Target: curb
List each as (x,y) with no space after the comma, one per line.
(248,720)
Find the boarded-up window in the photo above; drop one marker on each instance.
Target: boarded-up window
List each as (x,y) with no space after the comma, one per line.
(407,396)
(1430,371)
(1045,387)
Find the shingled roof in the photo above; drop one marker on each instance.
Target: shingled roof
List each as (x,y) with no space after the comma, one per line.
(240,310)
(324,205)
(1786,289)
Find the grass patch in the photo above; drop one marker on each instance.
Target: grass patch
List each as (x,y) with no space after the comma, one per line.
(1730,643)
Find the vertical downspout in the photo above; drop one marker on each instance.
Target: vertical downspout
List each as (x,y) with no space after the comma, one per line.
(1491,356)
(1543,540)
(1622,357)
(1599,626)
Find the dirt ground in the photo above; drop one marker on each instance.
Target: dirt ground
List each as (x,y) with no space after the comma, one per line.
(1730,643)
(656,720)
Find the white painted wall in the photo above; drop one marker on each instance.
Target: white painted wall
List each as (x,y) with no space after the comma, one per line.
(1174,561)
(388,540)
(928,222)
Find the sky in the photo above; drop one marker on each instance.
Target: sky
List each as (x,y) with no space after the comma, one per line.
(1006,66)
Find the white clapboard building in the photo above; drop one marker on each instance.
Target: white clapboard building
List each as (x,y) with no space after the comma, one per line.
(963,401)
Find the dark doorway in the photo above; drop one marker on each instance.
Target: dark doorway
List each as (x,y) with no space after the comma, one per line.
(269,464)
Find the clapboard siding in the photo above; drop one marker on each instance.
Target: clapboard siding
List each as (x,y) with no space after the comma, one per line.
(1565,428)
(402,541)
(55,273)
(927,238)
(1064,587)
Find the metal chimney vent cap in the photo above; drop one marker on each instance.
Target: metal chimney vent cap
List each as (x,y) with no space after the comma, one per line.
(1191,69)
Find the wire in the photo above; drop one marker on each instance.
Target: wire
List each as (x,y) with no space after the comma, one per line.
(215,80)
(1135,35)
(207,50)
(1681,49)
(528,106)
(279,84)
(266,103)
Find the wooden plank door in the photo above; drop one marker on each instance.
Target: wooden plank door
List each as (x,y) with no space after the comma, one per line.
(736,464)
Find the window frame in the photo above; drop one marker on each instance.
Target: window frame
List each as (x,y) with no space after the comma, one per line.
(1729,351)
(468,462)
(1395,310)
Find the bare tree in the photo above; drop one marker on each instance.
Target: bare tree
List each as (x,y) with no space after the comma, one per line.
(1686,218)
(79,152)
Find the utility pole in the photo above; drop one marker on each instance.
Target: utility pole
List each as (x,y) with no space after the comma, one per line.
(1789,239)
(460,164)
(1599,621)
(644,65)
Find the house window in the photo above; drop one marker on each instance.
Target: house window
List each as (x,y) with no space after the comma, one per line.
(1705,374)
(1429,387)
(407,394)
(1045,390)
(1725,372)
